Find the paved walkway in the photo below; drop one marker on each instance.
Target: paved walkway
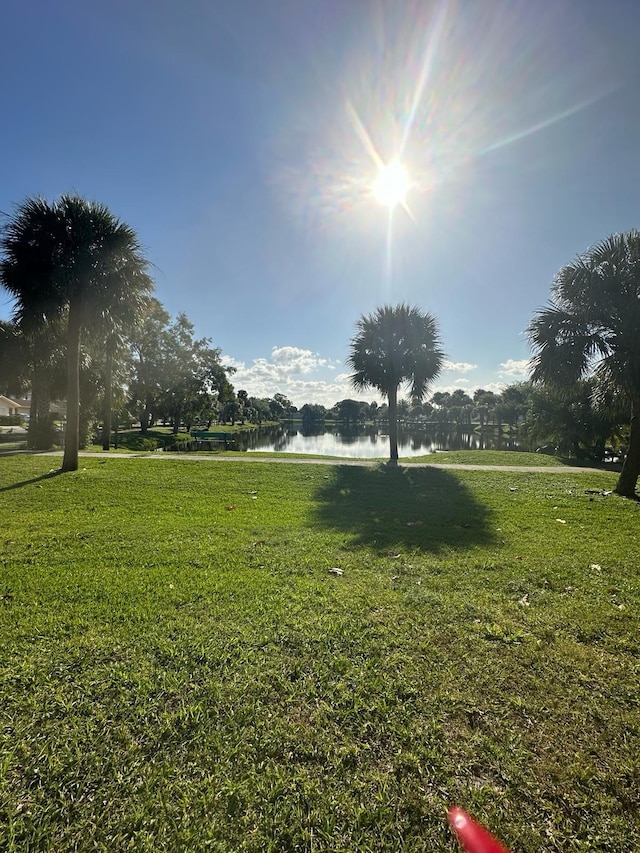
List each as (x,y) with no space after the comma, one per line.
(314,460)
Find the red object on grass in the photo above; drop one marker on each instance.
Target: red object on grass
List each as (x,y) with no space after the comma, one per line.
(471,834)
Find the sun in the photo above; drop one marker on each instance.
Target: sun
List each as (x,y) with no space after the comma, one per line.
(391,185)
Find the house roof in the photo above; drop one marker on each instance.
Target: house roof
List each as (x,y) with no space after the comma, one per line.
(9,402)
(16,405)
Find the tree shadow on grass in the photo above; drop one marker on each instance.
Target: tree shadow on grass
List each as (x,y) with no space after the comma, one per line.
(425,509)
(22,483)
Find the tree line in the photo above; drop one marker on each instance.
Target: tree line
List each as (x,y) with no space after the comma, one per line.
(157,371)
(83,297)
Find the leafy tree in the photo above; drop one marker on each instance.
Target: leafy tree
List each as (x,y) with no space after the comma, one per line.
(232,411)
(148,344)
(285,404)
(396,345)
(590,328)
(280,406)
(72,260)
(441,399)
(115,348)
(245,405)
(262,408)
(276,409)
(175,375)
(193,374)
(351,411)
(312,413)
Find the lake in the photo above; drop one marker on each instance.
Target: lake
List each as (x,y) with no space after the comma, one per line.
(365,442)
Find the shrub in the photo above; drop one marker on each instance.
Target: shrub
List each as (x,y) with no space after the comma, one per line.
(134,441)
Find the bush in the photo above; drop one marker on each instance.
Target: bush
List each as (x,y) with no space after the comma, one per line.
(11,420)
(170,440)
(134,441)
(152,441)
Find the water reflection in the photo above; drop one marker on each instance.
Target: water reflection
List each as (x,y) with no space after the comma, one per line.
(366,442)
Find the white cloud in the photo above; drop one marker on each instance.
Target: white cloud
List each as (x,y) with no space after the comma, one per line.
(462,381)
(292,360)
(230,361)
(297,373)
(516,369)
(458,366)
(496,387)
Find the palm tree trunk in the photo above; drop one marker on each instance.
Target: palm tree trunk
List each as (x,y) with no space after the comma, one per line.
(393,425)
(33,416)
(72,432)
(40,432)
(626,485)
(106,421)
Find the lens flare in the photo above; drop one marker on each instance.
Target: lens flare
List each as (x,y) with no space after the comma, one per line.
(420,113)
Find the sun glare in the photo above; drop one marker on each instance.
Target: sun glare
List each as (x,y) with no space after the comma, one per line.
(391,185)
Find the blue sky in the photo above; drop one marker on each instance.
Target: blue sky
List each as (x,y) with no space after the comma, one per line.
(237,138)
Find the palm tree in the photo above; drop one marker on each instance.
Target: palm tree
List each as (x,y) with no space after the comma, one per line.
(396,345)
(485,403)
(590,328)
(73,260)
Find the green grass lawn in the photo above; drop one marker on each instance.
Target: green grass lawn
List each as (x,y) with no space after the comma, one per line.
(492,457)
(183,671)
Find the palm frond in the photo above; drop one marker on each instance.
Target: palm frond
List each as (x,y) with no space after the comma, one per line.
(72,250)
(591,326)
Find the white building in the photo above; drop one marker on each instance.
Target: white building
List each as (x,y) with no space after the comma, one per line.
(12,407)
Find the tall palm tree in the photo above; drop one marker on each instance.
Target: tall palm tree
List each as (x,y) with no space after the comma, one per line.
(590,328)
(72,259)
(396,345)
